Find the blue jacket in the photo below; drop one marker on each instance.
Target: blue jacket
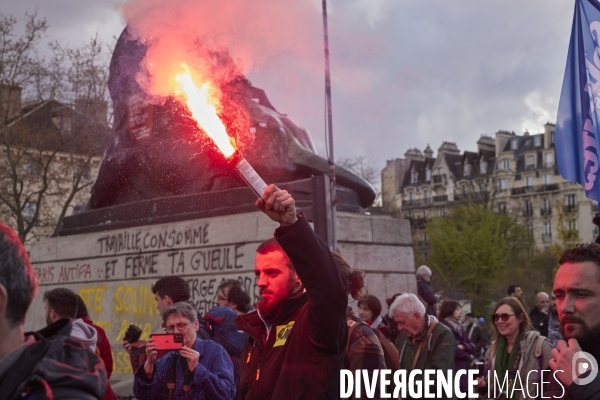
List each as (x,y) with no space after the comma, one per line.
(213,377)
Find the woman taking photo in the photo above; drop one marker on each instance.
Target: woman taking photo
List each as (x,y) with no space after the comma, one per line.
(516,351)
(450,313)
(202,369)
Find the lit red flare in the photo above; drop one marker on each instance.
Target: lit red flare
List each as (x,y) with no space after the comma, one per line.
(202,106)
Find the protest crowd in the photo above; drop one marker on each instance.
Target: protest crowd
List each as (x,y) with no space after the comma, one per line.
(302,332)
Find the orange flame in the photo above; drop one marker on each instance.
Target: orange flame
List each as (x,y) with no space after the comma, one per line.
(201,105)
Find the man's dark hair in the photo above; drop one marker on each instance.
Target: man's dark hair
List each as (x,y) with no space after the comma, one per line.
(272,245)
(512,288)
(81,308)
(582,253)
(173,286)
(236,294)
(373,304)
(16,275)
(63,301)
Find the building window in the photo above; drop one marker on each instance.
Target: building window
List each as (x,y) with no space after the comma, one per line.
(547,234)
(530,228)
(503,184)
(514,144)
(409,215)
(425,213)
(425,238)
(467,169)
(441,211)
(440,171)
(548,160)
(465,189)
(570,205)
(546,210)
(426,196)
(483,167)
(537,140)
(547,179)
(502,208)
(505,164)
(530,161)
(32,168)
(572,224)
(29,211)
(411,197)
(528,208)
(428,174)
(529,181)
(414,176)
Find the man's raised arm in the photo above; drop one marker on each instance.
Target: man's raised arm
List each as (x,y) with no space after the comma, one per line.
(312,260)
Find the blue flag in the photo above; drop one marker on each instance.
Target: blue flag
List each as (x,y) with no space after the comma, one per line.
(578,122)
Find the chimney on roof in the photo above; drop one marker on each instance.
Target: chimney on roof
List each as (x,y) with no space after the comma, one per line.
(549,133)
(449,148)
(413,154)
(502,137)
(10,100)
(428,152)
(486,142)
(93,109)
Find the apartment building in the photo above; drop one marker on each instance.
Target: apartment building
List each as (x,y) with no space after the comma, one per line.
(517,174)
(50,152)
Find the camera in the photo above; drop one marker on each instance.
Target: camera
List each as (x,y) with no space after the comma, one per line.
(133,334)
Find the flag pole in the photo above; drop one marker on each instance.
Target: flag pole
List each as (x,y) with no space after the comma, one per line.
(329,128)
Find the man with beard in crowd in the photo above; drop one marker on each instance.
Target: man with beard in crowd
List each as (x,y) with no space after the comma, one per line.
(577,291)
(298,333)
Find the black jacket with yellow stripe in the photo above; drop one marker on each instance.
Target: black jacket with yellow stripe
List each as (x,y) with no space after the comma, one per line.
(301,358)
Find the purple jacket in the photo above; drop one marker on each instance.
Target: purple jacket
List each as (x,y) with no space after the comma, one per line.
(462,357)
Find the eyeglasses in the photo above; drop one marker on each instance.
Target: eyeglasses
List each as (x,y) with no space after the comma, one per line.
(219,298)
(180,326)
(503,317)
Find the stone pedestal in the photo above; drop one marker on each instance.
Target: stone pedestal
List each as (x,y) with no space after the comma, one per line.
(114,270)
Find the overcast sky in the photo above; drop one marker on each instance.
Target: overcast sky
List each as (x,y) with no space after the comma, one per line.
(405,72)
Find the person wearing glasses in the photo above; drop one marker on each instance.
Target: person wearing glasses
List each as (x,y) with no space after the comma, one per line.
(200,370)
(517,354)
(232,294)
(232,300)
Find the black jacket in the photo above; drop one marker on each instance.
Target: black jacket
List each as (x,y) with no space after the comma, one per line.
(539,321)
(302,356)
(426,294)
(55,364)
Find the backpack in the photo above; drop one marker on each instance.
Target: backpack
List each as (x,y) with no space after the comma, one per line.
(218,325)
(55,366)
(390,353)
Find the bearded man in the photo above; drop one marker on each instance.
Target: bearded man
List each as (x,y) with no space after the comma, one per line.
(577,291)
(297,335)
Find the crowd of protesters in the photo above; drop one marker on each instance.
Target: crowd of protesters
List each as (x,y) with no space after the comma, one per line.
(303,332)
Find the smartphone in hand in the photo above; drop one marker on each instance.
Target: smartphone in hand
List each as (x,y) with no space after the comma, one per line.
(168,341)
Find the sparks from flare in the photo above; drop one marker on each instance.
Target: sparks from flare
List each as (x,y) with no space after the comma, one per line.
(200,103)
